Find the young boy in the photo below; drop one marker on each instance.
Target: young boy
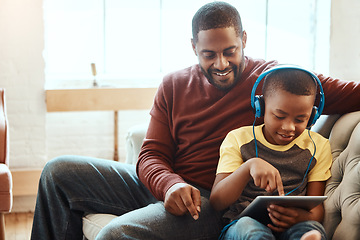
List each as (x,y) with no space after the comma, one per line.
(272,159)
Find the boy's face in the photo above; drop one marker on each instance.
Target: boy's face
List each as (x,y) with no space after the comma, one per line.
(221,56)
(286,116)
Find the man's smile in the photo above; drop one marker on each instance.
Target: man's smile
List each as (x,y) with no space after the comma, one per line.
(221,74)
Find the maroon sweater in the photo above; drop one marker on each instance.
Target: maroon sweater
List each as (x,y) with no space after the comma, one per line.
(190,118)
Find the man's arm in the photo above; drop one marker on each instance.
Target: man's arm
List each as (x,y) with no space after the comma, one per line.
(340,96)
(154,169)
(155,166)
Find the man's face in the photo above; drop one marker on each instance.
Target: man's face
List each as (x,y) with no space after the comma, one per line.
(221,56)
(286,116)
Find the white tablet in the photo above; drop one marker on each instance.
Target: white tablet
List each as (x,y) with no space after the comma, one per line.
(257,209)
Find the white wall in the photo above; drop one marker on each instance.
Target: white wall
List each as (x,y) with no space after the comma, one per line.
(22,75)
(89,133)
(37,136)
(345,39)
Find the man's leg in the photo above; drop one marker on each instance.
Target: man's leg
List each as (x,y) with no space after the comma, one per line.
(154,222)
(72,185)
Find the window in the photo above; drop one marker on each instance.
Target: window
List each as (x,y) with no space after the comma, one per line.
(139,41)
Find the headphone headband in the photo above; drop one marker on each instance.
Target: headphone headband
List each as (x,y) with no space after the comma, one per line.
(255,99)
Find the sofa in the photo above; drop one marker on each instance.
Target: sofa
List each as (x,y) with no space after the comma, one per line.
(342,207)
(5,174)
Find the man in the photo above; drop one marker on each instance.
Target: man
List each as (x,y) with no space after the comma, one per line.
(193,111)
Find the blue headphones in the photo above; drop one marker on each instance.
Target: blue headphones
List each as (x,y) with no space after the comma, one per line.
(258,104)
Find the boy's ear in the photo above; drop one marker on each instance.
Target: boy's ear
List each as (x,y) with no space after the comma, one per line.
(312,121)
(259,106)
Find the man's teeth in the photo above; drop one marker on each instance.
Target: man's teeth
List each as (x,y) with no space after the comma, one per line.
(222,74)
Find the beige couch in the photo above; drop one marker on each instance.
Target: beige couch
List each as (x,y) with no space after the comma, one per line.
(342,208)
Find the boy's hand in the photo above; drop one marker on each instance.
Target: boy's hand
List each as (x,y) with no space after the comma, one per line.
(182,198)
(265,175)
(283,217)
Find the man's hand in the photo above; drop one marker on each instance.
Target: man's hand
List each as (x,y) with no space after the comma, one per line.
(182,198)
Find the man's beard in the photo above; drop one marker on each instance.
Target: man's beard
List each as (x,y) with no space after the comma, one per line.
(208,74)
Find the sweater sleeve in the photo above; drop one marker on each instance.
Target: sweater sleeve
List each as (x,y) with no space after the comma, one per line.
(340,96)
(155,164)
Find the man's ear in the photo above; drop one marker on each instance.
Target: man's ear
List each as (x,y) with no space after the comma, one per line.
(244,38)
(193,46)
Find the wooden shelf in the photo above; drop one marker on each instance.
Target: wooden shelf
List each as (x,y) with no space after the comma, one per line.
(99,99)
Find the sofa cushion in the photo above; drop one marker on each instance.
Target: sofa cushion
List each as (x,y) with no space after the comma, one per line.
(134,140)
(93,223)
(324,124)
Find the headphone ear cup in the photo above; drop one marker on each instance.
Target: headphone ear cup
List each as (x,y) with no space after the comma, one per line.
(259,106)
(312,119)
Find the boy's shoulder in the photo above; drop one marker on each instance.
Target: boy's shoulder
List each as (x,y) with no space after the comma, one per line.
(239,136)
(243,134)
(243,130)
(318,138)
(305,141)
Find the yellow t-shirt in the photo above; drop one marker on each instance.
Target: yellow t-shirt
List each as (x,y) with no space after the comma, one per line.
(292,160)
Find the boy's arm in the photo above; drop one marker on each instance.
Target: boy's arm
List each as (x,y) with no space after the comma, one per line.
(316,189)
(234,174)
(228,187)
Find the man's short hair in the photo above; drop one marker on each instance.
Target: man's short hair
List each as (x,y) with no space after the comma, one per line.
(294,81)
(216,15)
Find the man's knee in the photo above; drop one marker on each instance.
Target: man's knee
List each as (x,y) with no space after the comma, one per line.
(56,169)
(56,164)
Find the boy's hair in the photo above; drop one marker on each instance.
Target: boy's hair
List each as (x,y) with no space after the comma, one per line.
(216,15)
(294,81)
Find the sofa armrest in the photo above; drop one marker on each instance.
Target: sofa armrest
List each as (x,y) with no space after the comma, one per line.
(134,139)
(5,174)
(5,188)
(324,124)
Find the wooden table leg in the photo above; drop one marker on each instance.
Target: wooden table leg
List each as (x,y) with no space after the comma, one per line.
(116,155)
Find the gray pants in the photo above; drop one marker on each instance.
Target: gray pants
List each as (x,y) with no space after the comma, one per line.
(72,185)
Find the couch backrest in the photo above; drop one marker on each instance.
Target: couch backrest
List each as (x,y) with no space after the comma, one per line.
(342,215)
